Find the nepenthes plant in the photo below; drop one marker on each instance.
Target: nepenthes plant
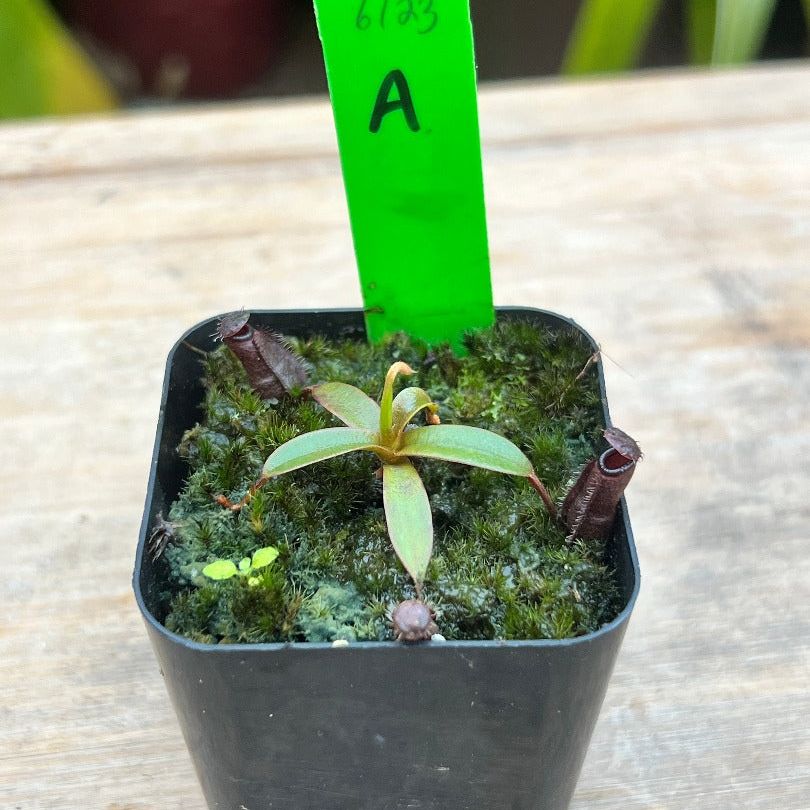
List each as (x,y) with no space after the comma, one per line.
(387,430)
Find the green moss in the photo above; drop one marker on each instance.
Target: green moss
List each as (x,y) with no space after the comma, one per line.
(338,612)
(501,568)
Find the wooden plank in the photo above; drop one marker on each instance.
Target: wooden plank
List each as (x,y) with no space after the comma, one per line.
(667,214)
(293,129)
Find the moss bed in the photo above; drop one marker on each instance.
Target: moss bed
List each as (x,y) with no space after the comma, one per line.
(502,569)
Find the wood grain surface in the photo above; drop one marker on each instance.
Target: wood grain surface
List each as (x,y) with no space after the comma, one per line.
(669,214)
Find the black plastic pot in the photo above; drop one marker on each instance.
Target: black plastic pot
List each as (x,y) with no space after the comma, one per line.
(476,725)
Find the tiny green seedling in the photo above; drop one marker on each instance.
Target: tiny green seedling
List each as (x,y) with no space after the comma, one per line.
(225,569)
(386,430)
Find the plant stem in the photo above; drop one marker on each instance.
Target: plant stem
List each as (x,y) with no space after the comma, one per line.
(222,500)
(543,492)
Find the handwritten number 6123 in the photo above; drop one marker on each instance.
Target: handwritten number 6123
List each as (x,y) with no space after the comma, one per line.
(420,13)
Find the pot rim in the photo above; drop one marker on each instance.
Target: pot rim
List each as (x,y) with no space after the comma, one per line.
(149,617)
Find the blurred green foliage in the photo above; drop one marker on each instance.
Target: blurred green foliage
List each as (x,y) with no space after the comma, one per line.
(609,35)
(739,30)
(44,71)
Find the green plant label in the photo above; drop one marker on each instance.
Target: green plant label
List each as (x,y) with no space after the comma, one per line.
(403,86)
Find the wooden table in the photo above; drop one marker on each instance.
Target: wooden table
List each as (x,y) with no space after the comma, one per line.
(669,214)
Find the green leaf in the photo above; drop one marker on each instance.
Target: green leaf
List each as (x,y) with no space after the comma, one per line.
(244,564)
(740,29)
(609,35)
(319,445)
(466,445)
(407,513)
(700,16)
(220,569)
(264,556)
(407,404)
(387,400)
(349,404)
(44,72)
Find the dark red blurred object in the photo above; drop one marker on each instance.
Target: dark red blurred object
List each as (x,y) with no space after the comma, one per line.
(193,48)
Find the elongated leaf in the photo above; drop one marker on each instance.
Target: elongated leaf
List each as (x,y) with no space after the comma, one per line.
(220,569)
(387,399)
(740,29)
(349,404)
(466,445)
(609,35)
(43,71)
(407,513)
(407,404)
(319,445)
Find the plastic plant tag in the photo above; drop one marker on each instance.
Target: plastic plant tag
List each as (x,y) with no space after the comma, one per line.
(402,80)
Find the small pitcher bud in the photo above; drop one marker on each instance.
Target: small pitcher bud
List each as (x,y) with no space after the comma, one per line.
(589,509)
(272,368)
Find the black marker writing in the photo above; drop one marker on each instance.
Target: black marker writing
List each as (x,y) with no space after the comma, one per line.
(363,20)
(385,105)
(431,18)
(418,14)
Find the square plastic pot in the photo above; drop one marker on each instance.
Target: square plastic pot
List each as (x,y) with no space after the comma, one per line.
(461,725)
